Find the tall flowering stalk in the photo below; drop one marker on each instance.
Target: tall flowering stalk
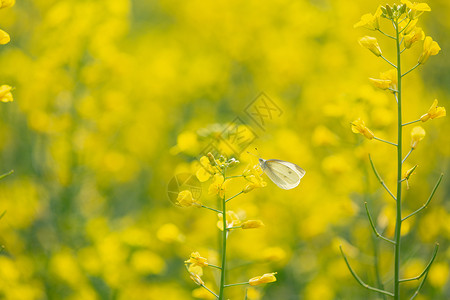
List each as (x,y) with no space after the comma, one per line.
(216,171)
(403,19)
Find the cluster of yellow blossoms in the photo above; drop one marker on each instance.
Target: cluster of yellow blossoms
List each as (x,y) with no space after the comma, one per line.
(410,34)
(214,169)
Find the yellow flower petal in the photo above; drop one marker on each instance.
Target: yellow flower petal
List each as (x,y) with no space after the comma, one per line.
(252,224)
(7,3)
(370,43)
(185,199)
(430,48)
(5,93)
(358,126)
(434,112)
(417,134)
(4,37)
(266,278)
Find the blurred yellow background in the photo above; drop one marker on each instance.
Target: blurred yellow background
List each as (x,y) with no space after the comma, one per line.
(114,98)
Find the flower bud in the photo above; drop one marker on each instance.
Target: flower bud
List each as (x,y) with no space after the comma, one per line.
(370,43)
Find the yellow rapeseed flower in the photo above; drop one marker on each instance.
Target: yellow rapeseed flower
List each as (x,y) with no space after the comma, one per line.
(4,37)
(370,43)
(232,220)
(254,175)
(415,35)
(5,93)
(417,134)
(387,80)
(358,126)
(266,278)
(206,170)
(197,260)
(252,224)
(410,25)
(7,3)
(218,186)
(370,21)
(434,112)
(416,9)
(430,47)
(185,199)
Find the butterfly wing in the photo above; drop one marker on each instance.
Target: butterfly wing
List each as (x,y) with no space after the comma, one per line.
(284,174)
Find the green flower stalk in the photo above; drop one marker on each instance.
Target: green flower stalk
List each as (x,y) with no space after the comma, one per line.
(216,171)
(403,18)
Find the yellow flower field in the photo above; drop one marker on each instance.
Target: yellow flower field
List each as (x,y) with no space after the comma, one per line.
(128,132)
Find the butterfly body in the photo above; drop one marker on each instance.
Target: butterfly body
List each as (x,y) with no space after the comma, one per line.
(284,174)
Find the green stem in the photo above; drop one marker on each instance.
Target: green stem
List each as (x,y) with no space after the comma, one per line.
(234,196)
(407,155)
(362,283)
(214,266)
(384,141)
(427,268)
(224,248)
(388,61)
(398,219)
(379,178)
(235,176)
(206,288)
(389,36)
(234,284)
(213,209)
(412,122)
(428,201)
(411,69)
(6,174)
(374,228)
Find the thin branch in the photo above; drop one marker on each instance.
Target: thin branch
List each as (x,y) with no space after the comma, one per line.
(425,274)
(214,266)
(392,90)
(407,155)
(418,64)
(412,122)
(236,176)
(405,26)
(403,20)
(379,178)
(6,174)
(427,268)
(234,196)
(389,36)
(403,50)
(428,201)
(362,283)
(235,227)
(213,209)
(206,288)
(234,284)
(381,140)
(396,98)
(373,226)
(388,61)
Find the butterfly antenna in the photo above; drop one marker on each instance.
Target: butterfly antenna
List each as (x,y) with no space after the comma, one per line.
(258,152)
(252,154)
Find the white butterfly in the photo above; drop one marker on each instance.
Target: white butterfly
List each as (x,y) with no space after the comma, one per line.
(285,174)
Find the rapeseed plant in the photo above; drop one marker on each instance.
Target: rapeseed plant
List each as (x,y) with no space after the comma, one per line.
(228,220)
(403,19)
